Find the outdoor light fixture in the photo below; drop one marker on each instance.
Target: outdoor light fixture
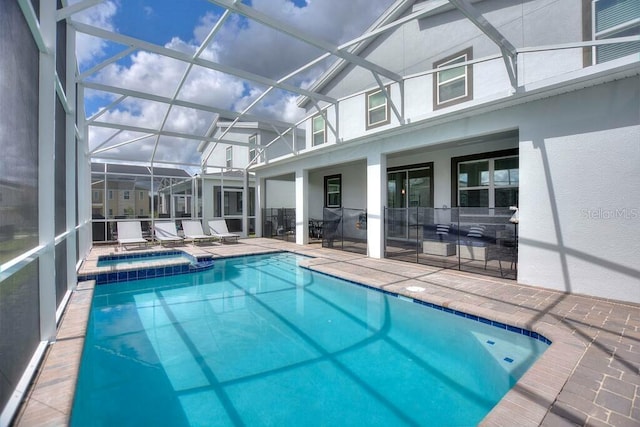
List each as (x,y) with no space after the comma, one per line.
(515,218)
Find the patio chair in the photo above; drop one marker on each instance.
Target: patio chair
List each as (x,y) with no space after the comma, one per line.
(505,249)
(192,230)
(218,229)
(165,232)
(130,233)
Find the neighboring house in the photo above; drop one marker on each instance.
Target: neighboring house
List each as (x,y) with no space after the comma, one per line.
(223,197)
(121,201)
(224,162)
(505,105)
(121,191)
(247,142)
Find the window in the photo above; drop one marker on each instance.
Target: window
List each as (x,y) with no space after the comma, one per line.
(319,130)
(613,19)
(229,156)
(333,191)
(377,108)
(126,195)
(253,142)
(96,196)
(453,85)
(110,194)
(142,195)
(489,180)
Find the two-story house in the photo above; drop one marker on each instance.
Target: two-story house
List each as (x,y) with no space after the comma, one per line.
(238,146)
(469,111)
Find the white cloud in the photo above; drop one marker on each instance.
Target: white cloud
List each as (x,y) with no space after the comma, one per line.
(248,45)
(241,44)
(335,21)
(89,48)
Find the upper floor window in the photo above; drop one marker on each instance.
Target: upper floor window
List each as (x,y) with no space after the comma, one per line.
(229,157)
(142,195)
(96,196)
(253,142)
(613,19)
(110,194)
(490,182)
(126,195)
(319,130)
(333,191)
(453,85)
(377,108)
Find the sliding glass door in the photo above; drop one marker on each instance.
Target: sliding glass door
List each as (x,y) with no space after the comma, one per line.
(407,187)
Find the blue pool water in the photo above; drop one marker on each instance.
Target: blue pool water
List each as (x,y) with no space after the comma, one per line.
(131,260)
(259,341)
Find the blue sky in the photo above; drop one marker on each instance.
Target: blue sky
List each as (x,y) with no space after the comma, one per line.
(158,21)
(242,44)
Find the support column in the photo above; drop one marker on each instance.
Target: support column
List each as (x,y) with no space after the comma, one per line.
(71,160)
(260,203)
(302,206)
(84,182)
(376,201)
(46,171)
(207,200)
(245,203)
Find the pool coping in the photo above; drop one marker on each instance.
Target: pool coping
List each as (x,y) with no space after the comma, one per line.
(50,398)
(529,401)
(534,393)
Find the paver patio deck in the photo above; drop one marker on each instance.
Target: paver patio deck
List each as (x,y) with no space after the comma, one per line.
(590,375)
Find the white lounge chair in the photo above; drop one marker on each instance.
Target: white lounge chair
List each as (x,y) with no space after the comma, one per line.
(165,232)
(218,229)
(192,230)
(130,233)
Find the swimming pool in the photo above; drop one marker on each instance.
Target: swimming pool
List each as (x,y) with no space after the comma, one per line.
(258,341)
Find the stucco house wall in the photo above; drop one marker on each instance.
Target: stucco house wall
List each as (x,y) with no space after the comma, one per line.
(576,128)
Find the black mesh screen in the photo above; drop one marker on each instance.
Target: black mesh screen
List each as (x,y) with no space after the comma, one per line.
(19,293)
(19,327)
(60,170)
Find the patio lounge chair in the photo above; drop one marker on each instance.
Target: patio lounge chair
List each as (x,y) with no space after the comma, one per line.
(165,232)
(193,231)
(130,233)
(218,229)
